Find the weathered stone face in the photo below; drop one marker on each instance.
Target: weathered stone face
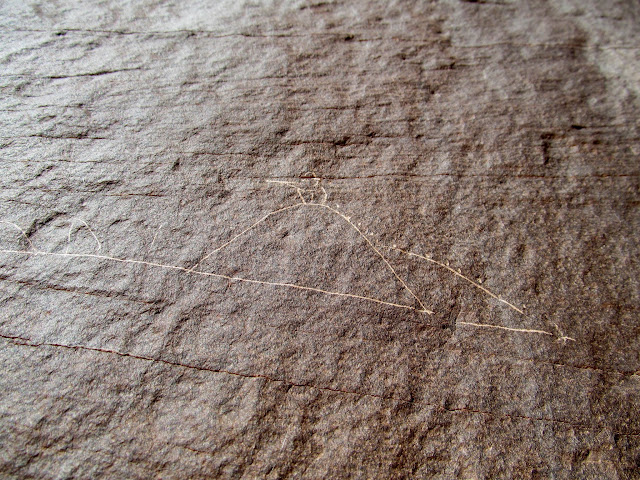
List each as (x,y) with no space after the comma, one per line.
(319,240)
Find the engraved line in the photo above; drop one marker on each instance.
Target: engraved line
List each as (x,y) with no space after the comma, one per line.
(299,191)
(90,231)
(378,252)
(353,225)
(423,308)
(216,275)
(243,232)
(156,235)
(488,325)
(26,237)
(484,355)
(23,341)
(562,337)
(94,235)
(458,274)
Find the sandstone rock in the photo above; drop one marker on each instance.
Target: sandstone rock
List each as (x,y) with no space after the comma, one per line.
(476,159)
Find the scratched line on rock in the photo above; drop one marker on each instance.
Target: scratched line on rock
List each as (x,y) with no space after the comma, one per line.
(27,342)
(308,200)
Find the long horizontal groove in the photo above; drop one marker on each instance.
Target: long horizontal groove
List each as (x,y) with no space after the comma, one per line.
(347,36)
(27,342)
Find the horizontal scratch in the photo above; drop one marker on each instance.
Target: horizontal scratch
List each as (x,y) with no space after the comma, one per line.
(210,274)
(23,341)
(75,291)
(488,325)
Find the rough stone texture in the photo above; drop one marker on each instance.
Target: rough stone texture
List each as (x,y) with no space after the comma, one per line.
(502,138)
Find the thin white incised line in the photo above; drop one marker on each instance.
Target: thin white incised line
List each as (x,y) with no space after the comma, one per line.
(210,274)
(303,203)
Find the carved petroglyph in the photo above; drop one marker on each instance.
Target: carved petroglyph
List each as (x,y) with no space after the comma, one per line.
(313,196)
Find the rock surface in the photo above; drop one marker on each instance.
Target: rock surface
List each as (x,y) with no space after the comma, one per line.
(139,143)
